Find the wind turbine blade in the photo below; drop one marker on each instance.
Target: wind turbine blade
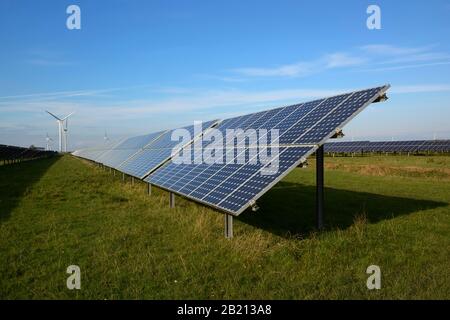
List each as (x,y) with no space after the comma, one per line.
(68,115)
(53,115)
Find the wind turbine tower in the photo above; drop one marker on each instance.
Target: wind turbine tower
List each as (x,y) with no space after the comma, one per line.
(48,141)
(66,133)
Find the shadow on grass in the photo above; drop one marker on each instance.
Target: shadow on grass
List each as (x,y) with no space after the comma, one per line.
(16,180)
(288,209)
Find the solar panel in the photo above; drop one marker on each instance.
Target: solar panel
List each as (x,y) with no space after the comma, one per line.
(346,147)
(14,153)
(127,148)
(439,146)
(233,186)
(155,153)
(408,146)
(92,153)
(227,187)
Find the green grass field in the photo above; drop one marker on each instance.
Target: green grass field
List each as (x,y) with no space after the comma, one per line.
(389,211)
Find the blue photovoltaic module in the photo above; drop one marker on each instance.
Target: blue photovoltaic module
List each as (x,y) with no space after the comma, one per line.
(237,182)
(232,187)
(155,153)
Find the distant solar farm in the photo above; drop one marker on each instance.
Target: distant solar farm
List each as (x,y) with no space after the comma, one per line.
(389,147)
(14,154)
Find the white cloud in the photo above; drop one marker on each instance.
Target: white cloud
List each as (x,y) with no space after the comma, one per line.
(407,66)
(386,49)
(59,95)
(337,60)
(396,57)
(421,88)
(422,57)
(399,58)
(304,68)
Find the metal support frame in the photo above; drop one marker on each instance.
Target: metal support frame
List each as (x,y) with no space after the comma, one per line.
(149,189)
(172,200)
(132,180)
(228,226)
(123,177)
(319,187)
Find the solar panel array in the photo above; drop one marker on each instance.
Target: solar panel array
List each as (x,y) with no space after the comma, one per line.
(234,184)
(412,146)
(346,147)
(10,154)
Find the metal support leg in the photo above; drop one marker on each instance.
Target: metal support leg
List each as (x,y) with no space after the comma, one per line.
(123,177)
(319,187)
(172,200)
(114,173)
(149,189)
(228,226)
(132,180)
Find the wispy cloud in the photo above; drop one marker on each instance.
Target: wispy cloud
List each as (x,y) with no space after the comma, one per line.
(304,68)
(59,95)
(393,57)
(389,50)
(422,57)
(399,56)
(406,66)
(421,88)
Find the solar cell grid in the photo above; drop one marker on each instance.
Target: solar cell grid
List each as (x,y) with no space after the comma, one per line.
(155,153)
(216,184)
(245,184)
(337,117)
(212,172)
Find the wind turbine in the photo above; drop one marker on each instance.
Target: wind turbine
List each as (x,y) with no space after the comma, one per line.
(48,140)
(63,131)
(105,137)
(66,133)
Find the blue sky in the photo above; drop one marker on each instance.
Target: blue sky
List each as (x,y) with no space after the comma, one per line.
(141,66)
